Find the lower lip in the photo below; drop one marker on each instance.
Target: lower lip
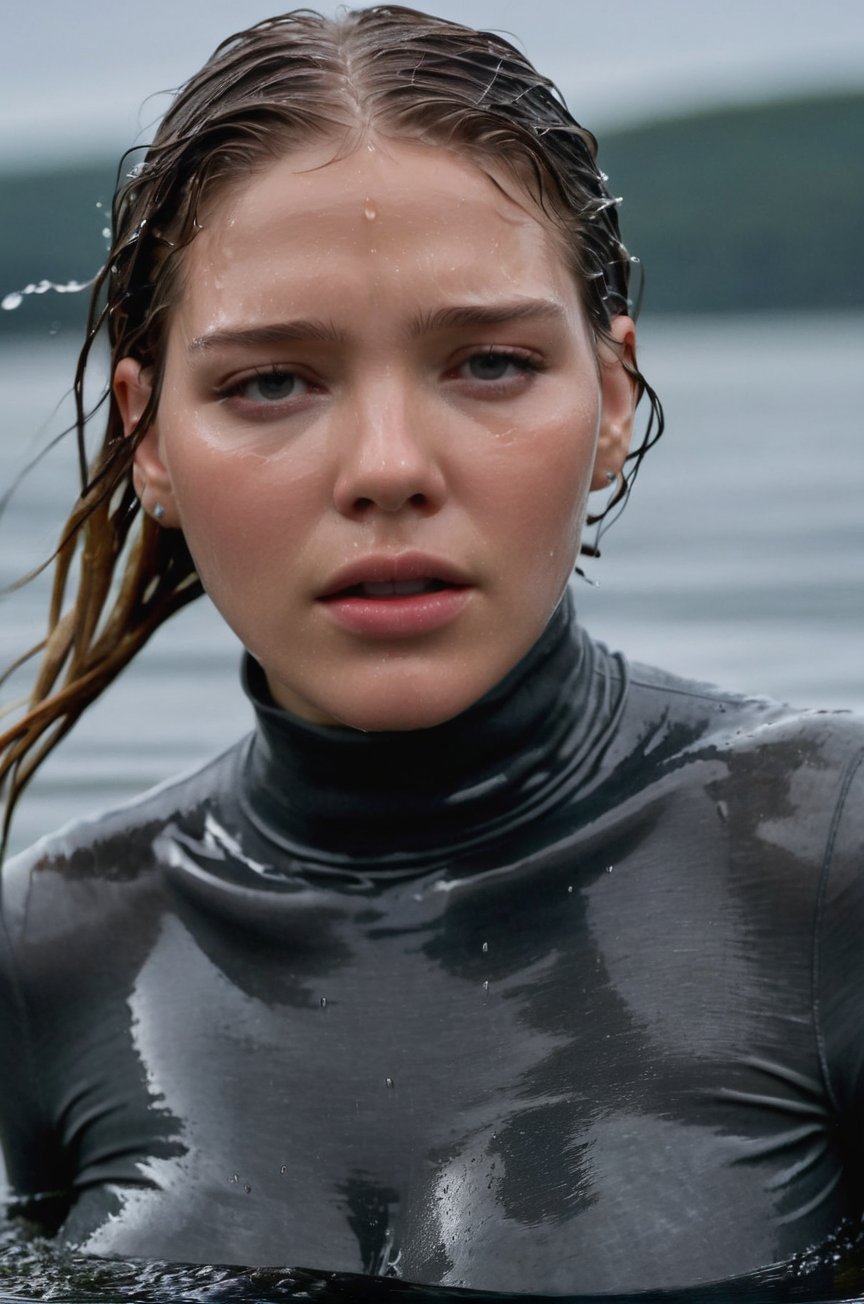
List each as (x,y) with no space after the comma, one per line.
(402,616)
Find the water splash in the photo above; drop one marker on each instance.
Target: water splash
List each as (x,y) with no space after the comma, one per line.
(15,298)
(37,1269)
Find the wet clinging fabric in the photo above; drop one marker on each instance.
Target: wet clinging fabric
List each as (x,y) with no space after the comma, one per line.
(562,995)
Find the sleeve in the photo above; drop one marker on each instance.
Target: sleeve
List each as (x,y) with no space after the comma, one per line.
(34,1186)
(839,965)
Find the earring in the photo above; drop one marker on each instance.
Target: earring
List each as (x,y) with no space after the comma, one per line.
(158,512)
(611,477)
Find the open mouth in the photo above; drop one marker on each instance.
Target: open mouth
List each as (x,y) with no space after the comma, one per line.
(396,608)
(393,588)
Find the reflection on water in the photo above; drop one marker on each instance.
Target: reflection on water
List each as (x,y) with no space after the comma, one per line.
(38,1270)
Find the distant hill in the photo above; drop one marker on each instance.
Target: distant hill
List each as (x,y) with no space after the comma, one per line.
(745,209)
(749,208)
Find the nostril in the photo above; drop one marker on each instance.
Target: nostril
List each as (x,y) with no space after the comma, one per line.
(418,500)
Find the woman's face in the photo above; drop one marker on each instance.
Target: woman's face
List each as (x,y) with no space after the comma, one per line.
(381,416)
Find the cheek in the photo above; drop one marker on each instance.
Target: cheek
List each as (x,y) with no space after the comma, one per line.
(241,518)
(540,481)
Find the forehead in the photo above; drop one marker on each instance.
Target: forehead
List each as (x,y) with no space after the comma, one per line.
(389,210)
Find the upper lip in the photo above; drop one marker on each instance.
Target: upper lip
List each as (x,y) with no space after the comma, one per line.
(388,567)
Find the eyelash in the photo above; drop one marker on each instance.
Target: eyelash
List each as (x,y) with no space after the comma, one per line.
(235,388)
(526,363)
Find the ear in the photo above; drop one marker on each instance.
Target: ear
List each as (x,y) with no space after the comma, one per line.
(618,397)
(132,387)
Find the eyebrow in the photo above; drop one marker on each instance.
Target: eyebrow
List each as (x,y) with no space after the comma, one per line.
(263,336)
(493,314)
(481,315)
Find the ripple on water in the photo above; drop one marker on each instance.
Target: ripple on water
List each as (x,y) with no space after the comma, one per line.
(35,1269)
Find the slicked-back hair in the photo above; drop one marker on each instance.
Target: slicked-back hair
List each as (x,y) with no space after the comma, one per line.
(285,83)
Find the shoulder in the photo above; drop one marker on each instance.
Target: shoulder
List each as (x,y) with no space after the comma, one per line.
(90,864)
(735,720)
(777,765)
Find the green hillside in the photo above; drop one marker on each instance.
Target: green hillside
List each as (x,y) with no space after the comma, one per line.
(745,209)
(753,208)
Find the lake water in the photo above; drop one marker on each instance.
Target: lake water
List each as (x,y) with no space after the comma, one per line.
(740,559)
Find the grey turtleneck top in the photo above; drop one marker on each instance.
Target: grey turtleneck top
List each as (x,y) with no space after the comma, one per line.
(563,995)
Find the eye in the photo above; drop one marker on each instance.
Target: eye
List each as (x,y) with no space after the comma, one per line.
(272,386)
(497,366)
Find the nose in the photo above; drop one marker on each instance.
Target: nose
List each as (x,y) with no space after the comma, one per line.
(388,460)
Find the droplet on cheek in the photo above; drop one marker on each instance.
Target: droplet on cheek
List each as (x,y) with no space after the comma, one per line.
(370,212)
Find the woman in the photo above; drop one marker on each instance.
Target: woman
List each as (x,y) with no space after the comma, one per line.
(488,960)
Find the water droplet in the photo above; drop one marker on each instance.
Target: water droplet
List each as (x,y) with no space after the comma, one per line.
(370,212)
(284,1169)
(485,947)
(247,1188)
(485,984)
(722,810)
(13,300)
(570,888)
(609,869)
(236,1178)
(323,1002)
(389,1083)
(106,233)
(98,203)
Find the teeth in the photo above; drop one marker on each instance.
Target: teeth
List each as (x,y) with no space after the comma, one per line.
(394,588)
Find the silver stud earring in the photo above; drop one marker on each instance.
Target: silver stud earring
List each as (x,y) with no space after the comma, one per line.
(611,477)
(158,512)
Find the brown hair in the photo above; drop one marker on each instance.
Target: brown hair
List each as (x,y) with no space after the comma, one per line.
(286,81)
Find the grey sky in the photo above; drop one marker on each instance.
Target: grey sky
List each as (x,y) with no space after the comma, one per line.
(77,77)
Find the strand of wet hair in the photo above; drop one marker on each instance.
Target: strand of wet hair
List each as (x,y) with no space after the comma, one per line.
(92,639)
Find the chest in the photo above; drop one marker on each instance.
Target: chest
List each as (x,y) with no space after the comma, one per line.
(530,1084)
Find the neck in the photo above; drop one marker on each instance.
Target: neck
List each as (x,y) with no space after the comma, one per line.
(412,799)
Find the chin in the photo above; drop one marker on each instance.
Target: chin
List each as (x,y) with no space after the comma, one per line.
(403,717)
(400,709)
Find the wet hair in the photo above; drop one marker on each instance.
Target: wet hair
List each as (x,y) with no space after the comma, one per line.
(287,82)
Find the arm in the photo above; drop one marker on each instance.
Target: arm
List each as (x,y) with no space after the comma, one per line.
(839,970)
(37,1189)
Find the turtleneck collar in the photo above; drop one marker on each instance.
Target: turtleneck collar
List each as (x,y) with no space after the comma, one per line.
(343,797)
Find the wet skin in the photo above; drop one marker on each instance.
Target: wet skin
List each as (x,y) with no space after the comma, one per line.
(381,363)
